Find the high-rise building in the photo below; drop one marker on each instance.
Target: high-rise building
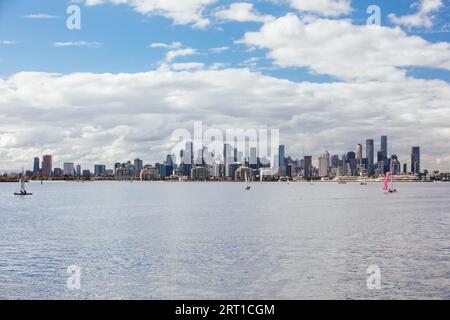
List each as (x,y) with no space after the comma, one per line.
(370,153)
(78,170)
(307,167)
(36,166)
(138,165)
(384,145)
(384,149)
(415,160)
(69,168)
(335,161)
(253,161)
(47,165)
(359,154)
(324,164)
(100,170)
(281,156)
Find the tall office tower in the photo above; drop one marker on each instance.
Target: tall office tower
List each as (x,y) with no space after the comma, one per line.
(253,161)
(227,158)
(36,166)
(69,168)
(324,164)
(384,145)
(189,153)
(384,149)
(78,169)
(308,167)
(370,153)
(335,161)
(351,160)
(281,156)
(415,160)
(359,154)
(138,165)
(47,165)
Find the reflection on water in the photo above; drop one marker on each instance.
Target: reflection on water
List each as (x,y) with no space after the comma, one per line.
(216,241)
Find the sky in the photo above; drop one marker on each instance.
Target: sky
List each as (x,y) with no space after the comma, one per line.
(136,70)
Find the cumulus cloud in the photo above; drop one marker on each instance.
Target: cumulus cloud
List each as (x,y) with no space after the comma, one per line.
(329,8)
(90,118)
(241,12)
(181,12)
(344,50)
(423,17)
(183,52)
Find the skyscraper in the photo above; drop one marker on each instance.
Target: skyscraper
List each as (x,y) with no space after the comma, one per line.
(36,166)
(308,167)
(415,160)
(281,156)
(359,154)
(138,165)
(370,153)
(47,165)
(384,149)
(384,145)
(324,164)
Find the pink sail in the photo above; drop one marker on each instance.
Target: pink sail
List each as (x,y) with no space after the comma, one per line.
(386,181)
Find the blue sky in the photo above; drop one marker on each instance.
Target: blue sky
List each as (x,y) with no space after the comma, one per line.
(125,34)
(118,87)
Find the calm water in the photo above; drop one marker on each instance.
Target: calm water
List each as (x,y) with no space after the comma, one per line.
(216,241)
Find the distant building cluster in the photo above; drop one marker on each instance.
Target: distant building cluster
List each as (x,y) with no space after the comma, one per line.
(235,164)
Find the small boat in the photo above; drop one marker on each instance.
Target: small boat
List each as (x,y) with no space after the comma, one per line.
(247,182)
(364,181)
(22,191)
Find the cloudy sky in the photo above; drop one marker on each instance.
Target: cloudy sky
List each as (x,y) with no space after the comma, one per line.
(139,69)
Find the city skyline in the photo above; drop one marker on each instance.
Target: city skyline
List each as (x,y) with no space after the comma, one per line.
(87,95)
(349,163)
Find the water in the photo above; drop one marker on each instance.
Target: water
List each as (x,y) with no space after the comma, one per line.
(217,241)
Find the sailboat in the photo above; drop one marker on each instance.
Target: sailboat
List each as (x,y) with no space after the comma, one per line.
(389,183)
(22,191)
(247,182)
(364,181)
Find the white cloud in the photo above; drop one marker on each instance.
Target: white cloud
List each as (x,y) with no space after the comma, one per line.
(187,66)
(183,52)
(329,8)
(90,44)
(241,12)
(93,118)
(219,49)
(423,17)
(7,42)
(181,12)
(40,16)
(173,45)
(346,51)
